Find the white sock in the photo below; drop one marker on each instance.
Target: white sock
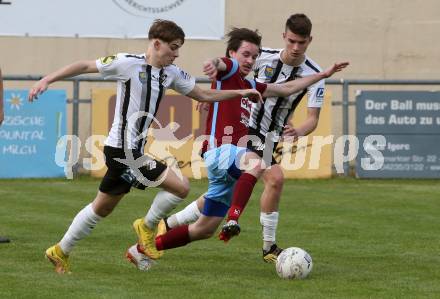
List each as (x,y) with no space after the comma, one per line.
(162,205)
(81,226)
(188,215)
(269,222)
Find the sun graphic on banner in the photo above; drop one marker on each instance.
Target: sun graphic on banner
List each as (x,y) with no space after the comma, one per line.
(16,101)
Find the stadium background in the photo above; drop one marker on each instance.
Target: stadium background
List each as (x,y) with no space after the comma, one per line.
(382,40)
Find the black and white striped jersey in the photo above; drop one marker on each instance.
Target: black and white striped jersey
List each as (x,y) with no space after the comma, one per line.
(140,89)
(276,111)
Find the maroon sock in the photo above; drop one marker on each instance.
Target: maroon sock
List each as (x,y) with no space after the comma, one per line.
(176,237)
(242,193)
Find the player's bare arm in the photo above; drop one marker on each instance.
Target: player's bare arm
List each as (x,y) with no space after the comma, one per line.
(71,70)
(307,127)
(212,67)
(212,95)
(291,87)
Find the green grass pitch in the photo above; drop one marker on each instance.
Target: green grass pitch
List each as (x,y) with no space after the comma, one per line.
(368,239)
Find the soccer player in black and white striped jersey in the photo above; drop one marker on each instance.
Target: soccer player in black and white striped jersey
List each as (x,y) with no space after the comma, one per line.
(270,121)
(142,82)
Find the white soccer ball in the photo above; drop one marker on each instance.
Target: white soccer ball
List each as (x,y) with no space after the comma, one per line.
(294,263)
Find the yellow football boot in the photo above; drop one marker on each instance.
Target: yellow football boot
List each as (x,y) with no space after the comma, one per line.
(146,239)
(61,261)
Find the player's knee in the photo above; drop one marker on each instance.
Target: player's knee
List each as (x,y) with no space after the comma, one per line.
(198,232)
(104,204)
(183,189)
(260,165)
(207,233)
(275,180)
(256,170)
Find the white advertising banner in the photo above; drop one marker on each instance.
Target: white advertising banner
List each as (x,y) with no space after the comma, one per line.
(200,19)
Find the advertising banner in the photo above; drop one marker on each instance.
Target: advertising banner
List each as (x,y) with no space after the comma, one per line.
(200,19)
(174,137)
(29,134)
(408,123)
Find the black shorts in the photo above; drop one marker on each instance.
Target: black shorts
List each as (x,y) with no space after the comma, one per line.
(263,148)
(112,182)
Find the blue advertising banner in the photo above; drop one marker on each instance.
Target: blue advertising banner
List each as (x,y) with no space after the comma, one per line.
(29,134)
(409,122)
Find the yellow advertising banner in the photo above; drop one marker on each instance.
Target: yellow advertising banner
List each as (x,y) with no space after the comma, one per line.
(172,138)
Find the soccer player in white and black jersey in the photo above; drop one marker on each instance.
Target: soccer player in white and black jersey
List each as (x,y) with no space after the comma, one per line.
(270,121)
(142,82)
